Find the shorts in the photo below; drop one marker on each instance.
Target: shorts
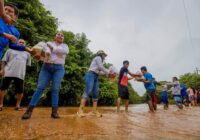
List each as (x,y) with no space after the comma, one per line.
(191,98)
(177,99)
(151,96)
(18,83)
(123,92)
(185,99)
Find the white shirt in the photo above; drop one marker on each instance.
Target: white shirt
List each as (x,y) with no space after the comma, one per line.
(57,53)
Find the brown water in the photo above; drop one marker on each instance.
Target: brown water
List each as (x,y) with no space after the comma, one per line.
(137,124)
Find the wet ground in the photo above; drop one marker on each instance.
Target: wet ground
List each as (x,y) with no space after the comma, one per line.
(137,124)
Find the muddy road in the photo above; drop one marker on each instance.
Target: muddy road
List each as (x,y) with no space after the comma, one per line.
(137,124)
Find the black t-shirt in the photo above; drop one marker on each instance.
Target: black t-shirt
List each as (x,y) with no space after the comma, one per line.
(123,71)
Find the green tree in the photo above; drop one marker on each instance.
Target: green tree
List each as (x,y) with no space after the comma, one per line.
(37,24)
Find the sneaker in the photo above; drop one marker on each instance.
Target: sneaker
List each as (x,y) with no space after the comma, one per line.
(96,113)
(80,113)
(18,109)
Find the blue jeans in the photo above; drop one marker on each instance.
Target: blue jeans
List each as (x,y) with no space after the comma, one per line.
(91,86)
(49,72)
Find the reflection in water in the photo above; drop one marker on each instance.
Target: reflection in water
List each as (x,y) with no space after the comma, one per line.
(137,124)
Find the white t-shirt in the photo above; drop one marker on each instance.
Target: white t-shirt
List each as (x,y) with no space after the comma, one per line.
(16,63)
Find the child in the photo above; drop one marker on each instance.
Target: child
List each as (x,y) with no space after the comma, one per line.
(123,85)
(164,96)
(14,69)
(8,33)
(176,92)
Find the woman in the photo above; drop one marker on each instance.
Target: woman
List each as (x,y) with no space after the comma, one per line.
(91,83)
(52,70)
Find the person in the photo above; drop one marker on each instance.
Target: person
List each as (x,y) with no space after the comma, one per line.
(52,70)
(9,35)
(191,91)
(164,96)
(14,69)
(150,88)
(176,92)
(184,95)
(123,92)
(198,98)
(195,97)
(91,83)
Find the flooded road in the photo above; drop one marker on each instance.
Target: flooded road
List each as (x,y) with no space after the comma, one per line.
(137,124)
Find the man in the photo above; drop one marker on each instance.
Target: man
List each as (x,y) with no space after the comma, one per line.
(14,69)
(8,33)
(150,88)
(123,92)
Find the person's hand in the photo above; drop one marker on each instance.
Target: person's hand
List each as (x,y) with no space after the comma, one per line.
(112,75)
(49,45)
(2,72)
(37,57)
(12,38)
(30,50)
(140,79)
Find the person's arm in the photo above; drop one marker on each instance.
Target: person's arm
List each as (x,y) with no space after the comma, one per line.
(4,62)
(101,67)
(1,8)
(2,71)
(130,78)
(133,74)
(15,46)
(12,38)
(6,18)
(28,60)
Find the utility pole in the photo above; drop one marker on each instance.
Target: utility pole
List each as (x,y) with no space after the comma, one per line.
(197,70)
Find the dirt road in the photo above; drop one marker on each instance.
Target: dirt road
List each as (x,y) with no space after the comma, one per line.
(137,124)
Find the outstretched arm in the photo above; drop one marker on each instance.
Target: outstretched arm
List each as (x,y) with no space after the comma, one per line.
(2,8)
(6,18)
(133,74)
(101,67)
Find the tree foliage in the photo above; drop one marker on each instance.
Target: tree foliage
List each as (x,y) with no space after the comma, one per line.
(37,24)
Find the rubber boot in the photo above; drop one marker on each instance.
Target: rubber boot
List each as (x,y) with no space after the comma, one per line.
(28,113)
(54,113)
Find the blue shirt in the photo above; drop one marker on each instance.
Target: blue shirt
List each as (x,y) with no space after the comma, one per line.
(183,90)
(9,29)
(149,77)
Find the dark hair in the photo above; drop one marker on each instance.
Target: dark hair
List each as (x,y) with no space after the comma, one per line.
(125,62)
(14,7)
(144,68)
(175,78)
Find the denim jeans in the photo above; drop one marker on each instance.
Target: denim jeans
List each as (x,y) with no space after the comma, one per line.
(49,72)
(91,86)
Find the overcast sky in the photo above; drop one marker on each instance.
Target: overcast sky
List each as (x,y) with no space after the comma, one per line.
(153,33)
